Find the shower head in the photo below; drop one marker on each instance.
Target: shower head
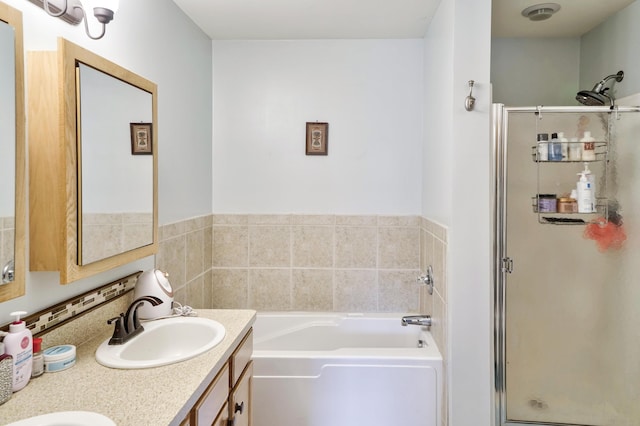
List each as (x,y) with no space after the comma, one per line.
(598,95)
(591,98)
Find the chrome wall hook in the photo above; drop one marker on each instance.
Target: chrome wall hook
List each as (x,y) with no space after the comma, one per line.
(470,101)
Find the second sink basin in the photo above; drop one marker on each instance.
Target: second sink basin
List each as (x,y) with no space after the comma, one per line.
(163,342)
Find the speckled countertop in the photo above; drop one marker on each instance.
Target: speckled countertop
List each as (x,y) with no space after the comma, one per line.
(154,396)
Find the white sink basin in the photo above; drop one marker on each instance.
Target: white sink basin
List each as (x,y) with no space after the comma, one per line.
(163,342)
(66,418)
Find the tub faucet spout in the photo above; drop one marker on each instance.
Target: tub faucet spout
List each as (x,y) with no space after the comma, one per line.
(423,320)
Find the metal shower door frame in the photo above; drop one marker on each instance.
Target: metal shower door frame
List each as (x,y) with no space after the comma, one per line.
(501,263)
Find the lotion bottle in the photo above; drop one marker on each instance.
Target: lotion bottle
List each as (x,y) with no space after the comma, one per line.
(585,197)
(591,178)
(19,344)
(588,147)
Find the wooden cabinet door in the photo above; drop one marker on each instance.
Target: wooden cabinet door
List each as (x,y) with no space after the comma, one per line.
(223,418)
(207,408)
(241,398)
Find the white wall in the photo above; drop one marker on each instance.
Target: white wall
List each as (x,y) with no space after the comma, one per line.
(465,27)
(611,47)
(541,71)
(155,39)
(369,91)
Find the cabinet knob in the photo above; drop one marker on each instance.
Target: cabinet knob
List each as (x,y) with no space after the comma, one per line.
(239,407)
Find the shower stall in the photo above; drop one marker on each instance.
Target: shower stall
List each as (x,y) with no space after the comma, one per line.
(567,284)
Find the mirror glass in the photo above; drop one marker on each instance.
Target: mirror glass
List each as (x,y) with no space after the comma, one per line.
(115,165)
(7,150)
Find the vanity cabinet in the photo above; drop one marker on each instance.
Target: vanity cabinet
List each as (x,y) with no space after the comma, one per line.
(227,399)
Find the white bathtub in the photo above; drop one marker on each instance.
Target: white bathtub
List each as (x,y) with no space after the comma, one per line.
(329,369)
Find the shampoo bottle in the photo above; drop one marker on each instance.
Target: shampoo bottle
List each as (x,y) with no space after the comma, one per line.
(543,146)
(588,147)
(555,148)
(564,146)
(575,150)
(19,344)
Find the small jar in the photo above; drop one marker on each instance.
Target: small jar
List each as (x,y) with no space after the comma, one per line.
(59,358)
(567,205)
(547,203)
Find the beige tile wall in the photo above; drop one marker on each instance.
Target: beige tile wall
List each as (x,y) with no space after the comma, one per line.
(294,262)
(309,263)
(433,251)
(107,234)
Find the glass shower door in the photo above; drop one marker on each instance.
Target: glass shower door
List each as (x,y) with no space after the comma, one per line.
(568,293)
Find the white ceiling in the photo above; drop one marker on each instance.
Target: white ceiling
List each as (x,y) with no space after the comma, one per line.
(354,19)
(310,19)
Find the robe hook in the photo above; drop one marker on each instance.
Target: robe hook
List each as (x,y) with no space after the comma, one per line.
(470,101)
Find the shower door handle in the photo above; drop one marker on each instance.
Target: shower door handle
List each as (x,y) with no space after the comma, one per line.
(507,265)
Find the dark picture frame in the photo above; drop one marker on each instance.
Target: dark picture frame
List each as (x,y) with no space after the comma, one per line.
(141,139)
(317,141)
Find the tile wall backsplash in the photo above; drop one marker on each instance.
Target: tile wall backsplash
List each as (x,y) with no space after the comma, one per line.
(295,262)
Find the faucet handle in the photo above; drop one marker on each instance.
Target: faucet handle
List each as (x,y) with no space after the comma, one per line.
(119,333)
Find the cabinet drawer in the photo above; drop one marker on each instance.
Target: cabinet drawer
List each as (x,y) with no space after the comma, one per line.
(241,399)
(241,358)
(214,398)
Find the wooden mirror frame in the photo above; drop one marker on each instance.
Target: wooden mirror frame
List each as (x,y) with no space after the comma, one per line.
(16,288)
(53,159)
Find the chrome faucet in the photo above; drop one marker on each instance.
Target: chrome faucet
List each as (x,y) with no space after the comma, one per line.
(128,325)
(423,320)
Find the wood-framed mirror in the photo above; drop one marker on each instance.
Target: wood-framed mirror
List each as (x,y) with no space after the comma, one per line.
(97,181)
(12,155)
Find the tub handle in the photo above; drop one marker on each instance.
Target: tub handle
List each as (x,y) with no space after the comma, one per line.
(239,407)
(427,279)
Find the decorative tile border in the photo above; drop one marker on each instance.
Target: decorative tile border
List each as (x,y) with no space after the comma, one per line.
(70,309)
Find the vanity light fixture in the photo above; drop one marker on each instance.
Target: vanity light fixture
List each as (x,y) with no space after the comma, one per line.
(540,12)
(73,12)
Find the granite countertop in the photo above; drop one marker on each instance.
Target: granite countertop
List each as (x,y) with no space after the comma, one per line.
(153,396)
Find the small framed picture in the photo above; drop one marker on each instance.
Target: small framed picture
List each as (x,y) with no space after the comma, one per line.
(317,138)
(141,140)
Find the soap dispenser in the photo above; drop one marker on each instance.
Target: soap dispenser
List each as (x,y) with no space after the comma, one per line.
(19,344)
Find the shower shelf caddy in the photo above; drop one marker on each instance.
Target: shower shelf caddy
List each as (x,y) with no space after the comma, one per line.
(547,167)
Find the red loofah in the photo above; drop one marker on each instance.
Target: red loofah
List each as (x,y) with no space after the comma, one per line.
(607,235)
